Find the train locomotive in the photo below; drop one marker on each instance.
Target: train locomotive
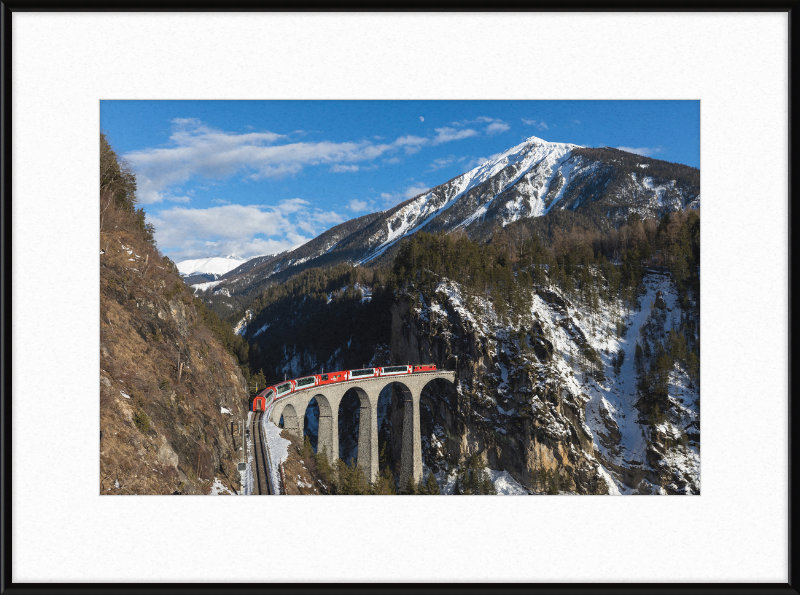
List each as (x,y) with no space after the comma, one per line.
(274,393)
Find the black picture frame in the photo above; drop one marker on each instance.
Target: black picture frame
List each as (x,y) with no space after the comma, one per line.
(7,10)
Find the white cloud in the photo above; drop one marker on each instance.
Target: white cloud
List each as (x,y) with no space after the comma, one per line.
(292,205)
(480,161)
(541,125)
(442,162)
(359,206)
(643,151)
(343,168)
(478,120)
(421,119)
(245,230)
(221,201)
(414,190)
(390,199)
(196,151)
(446,135)
(497,127)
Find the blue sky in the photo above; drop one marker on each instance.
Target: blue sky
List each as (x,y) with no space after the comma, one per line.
(258,177)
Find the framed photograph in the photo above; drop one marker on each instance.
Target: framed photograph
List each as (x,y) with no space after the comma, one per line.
(381,254)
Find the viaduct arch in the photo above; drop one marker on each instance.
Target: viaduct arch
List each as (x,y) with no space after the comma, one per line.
(293,410)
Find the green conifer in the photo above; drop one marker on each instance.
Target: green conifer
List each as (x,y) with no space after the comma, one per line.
(431,488)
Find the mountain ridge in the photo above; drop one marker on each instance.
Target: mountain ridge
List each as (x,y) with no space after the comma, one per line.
(534,179)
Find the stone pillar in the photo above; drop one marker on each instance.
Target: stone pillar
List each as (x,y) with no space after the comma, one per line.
(411,455)
(368,438)
(328,436)
(290,421)
(301,419)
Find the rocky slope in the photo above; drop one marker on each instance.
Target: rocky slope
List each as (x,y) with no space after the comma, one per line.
(170,395)
(529,397)
(543,392)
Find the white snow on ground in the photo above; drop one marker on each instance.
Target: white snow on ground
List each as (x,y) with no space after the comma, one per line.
(277,447)
(124,395)
(215,265)
(505,484)
(225,410)
(219,489)
(612,401)
(618,395)
(612,483)
(261,330)
(658,190)
(241,326)
(366,292)
(502,480)
(203,286)
(417,213)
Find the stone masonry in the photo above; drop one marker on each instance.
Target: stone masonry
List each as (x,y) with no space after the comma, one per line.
(293,410)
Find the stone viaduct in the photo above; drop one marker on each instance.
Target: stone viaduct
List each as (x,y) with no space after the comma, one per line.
(329,396)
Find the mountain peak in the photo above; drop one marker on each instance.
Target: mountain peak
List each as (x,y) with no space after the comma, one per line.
(535,140)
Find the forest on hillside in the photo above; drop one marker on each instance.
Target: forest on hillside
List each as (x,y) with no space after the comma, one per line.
(320,310)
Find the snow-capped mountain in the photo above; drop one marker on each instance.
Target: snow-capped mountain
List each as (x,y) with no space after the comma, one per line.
(214,266)
(534,180)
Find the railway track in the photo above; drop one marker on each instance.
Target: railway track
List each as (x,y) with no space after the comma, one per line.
(259,456)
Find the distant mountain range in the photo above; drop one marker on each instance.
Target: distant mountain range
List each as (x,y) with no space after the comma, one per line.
(532,180)
(208,269)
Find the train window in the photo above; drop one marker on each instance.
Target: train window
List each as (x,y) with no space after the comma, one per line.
(304,382)
(393,369)
(364,372)
(269,394)
(284,387)
(324,377)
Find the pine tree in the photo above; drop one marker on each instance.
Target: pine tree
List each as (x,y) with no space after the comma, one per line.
(487,487)
(325,467)
(638,358)
(384,485)
(358,480)
(554,483)
(431,488)
(411,487)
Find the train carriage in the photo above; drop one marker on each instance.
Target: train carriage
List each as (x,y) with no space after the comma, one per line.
(394,370)
(307,382)
(332,377)
(263,399)
(363,373)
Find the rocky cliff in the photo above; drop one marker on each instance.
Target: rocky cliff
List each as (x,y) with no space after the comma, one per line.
(170,395)
(540,395)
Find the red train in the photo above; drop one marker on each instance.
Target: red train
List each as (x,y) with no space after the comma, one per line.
(274,393)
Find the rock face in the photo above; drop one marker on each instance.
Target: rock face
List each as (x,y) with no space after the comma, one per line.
(538,392)
(543,390)
(660,303)
(490,413)
(170,395)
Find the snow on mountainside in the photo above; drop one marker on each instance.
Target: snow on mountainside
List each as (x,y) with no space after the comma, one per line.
(215,265)
(547,159)
(535,179)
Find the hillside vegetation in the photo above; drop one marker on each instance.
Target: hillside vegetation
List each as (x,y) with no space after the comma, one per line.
(170,390)
(577,352)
